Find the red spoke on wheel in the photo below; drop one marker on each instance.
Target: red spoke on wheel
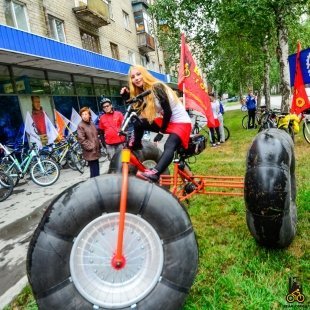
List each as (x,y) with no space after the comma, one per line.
(119,261)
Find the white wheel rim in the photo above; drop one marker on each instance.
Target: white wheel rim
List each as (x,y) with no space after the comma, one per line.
(91,261)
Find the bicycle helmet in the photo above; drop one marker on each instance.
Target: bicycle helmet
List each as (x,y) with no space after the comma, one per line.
(104,100)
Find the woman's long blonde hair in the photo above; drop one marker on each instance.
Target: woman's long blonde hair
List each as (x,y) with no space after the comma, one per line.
(149,80)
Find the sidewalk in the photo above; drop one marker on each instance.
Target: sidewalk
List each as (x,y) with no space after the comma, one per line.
(19,216)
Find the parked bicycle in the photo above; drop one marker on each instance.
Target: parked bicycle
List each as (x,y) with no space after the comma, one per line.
(43,172)
(6,186)
(200,127)
(67,152)
(258,115)
(275,119)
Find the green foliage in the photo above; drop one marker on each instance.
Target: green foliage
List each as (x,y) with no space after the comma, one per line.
(234,272)
(232,39)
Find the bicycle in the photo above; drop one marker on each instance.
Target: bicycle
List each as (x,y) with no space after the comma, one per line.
(258,115)
(305,118)
(269,119)
(6,186)
(43,172)
(68,152)
(200,127)
(130,244)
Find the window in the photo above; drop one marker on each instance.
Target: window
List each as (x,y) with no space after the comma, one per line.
(126,20)
(83,85)
(143,61)
(56,28)
(131,58)
(114,50)
(6,85)
(90,42)
(16,15)
(30,81)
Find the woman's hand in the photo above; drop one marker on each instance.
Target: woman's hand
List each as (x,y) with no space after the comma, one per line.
(124,90)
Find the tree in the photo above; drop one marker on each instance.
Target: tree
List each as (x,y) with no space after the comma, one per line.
(237,41)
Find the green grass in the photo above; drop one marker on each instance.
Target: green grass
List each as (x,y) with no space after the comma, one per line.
(234,272)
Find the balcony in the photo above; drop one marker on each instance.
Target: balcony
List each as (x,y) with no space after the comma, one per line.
(145,2)
(146,43)
(95,12)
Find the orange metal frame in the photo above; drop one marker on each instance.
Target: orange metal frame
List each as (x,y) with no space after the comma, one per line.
(177,183)
(208,185)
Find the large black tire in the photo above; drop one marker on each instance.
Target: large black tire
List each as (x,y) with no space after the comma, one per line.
(149,152)
(79,229)
(270,189)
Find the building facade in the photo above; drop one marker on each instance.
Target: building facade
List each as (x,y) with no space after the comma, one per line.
(69,53)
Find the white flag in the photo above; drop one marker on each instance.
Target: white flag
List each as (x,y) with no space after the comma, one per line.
(94,116)
(51,131)
(75,120)
(31,130)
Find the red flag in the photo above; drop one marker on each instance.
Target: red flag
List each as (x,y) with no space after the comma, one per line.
(192,85)
(300,99)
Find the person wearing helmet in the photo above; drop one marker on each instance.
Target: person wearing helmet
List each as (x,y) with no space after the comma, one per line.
(109,125)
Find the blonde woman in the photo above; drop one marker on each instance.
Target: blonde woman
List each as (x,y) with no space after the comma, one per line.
(163,113)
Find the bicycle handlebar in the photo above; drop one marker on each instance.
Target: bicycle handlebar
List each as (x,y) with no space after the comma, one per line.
(139,97)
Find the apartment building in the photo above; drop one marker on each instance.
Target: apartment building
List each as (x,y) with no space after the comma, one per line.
(70,53)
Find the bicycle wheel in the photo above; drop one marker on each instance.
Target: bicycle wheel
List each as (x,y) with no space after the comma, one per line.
(306,130)
(227,133)
(45,172)
(245,121)
(104,154)
(7,167)
(70,256)
(77,161)
(6,186)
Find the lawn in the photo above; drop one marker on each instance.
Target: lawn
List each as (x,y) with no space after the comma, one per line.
(234,271)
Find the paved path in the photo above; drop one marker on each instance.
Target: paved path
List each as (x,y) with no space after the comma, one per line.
(19,216)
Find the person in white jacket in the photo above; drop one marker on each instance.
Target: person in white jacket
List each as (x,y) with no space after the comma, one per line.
(215,105)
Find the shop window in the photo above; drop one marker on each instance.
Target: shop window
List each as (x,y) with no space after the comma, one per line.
(114,50)
(56,27)
(89,102)
(30,81)
(11,122)
(61,84)
(101,87)
(64,105)
(16,15)
(83,85)
(6,85)
(90,42)
(115,88)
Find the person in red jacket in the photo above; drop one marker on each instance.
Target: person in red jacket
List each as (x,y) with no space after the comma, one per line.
(109,125)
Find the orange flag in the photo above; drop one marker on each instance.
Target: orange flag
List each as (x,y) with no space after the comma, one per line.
(300,99)
(192,85)
(61,124)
